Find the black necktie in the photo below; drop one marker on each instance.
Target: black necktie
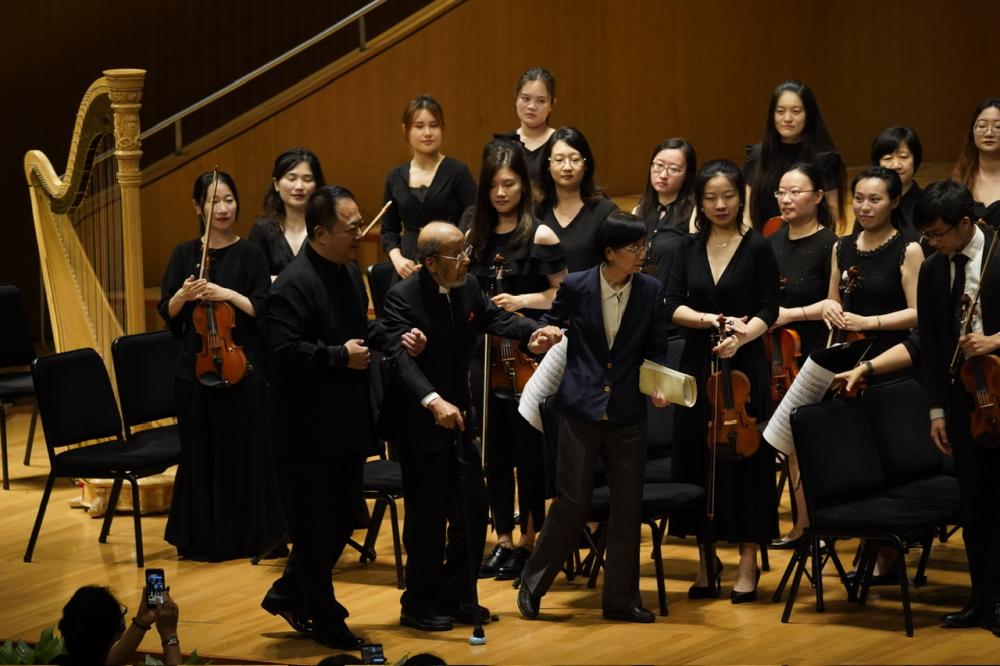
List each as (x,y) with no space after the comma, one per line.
(958,289)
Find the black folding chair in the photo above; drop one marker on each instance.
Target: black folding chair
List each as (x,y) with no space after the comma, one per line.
(845,498)
(17,351)
(77,405)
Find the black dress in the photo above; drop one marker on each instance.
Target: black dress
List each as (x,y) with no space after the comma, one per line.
(906,226)
(665,232)
(225,503)
(805,265)
(451,191)
(271,240)
(830,165)
(988,214)
(746,508)
(878,290)
(535,158)
(512,442)
(577,238)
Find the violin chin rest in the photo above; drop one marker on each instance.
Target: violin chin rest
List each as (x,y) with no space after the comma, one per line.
(212,380)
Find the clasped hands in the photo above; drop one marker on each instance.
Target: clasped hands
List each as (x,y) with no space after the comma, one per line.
(727,346)
(834,316)
(200,289)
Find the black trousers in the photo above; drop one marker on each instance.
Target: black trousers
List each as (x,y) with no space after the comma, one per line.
(439,556)
(978,471)
(321,496)
(622,449)
(513,443)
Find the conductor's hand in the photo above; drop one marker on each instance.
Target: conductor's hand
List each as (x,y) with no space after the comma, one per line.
(413,341)
(977,344)
(939,435)
(358,355)
(544,339)
(658,398)
(446,414)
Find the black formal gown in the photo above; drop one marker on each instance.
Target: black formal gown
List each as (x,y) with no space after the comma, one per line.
(879,287)
(451,191)
(512,442)
(829,163)
(805,265)
(225,502)
(271,240)
(988,214)
(666,229)
(745,498)
(577,238)
(536,158)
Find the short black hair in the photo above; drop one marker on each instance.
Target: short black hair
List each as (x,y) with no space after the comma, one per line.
(321,210)
(890,139)
(90,621)
(618,230)
(943,199)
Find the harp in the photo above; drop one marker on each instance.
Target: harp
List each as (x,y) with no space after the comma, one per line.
(87,222)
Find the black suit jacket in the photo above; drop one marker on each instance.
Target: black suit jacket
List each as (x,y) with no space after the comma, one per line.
(452,330)
(935,319)
(320,406)
(599,381)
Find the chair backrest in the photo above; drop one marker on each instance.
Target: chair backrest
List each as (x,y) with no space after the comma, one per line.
(380,278)
(75,399)
(145,369)
(660,422)
(900,421)
(16,346)
(836,451)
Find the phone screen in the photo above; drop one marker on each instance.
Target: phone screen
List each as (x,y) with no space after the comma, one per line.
(155,585)
(372,654)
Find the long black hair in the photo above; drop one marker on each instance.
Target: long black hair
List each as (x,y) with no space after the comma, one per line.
(815,139)
(730,172)
(273,208)
(500,154)
(590,192)
(684,202)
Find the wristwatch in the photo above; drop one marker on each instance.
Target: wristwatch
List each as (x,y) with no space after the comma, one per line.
(171,640)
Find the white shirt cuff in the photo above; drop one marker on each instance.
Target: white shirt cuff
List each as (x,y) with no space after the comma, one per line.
(430,397)
(937,413)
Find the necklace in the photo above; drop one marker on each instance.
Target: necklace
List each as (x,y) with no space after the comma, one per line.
(725,242)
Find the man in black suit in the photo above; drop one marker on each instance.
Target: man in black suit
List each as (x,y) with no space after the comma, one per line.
(426,403)
(317,337)
(944,214)
(616,319)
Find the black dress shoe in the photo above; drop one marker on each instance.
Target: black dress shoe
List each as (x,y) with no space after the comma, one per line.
(465,615)
(296,619)
(527,603)
(994,619)
(514,565)
(710,591)
(425,621)
(746,597)
(634,614)
(339,638)
(890,577)
(491,565)
(970,616)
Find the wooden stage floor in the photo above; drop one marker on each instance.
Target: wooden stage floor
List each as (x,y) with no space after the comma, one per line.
(220,613)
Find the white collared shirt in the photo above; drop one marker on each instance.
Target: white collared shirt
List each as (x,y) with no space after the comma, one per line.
(973,269)
(613,303)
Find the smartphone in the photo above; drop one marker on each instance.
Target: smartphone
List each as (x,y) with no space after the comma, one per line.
(156,583)
(372,654)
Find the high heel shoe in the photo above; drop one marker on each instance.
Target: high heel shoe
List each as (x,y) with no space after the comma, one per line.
(710,591)
(746,597)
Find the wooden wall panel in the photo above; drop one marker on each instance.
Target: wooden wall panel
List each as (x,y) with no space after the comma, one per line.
(629,75)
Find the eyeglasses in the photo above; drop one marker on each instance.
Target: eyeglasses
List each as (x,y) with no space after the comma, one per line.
(637,249)
(935,235)
(794,194)
(464,255)
(660,167)
(982,128)
(574,160)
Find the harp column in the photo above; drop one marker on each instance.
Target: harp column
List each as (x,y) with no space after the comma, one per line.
(125,92)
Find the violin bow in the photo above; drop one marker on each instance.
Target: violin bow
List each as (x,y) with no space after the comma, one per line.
(208,222)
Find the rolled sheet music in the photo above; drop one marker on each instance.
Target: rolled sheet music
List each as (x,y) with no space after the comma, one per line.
(542,384)
(678,387)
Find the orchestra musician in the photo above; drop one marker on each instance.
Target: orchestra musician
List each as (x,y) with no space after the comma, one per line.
(225,503)
(426,404)
(534,100)
(726,269)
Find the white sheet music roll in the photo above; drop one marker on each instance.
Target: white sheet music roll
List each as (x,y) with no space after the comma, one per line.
(678,387)
(543,383)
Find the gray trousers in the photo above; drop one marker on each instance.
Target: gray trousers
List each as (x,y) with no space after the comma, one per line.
(622,449)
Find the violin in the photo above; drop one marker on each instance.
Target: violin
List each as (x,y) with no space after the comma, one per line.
(980,376)
(220,361)
(772,225)
(510,366)
(850,280)
(782,346)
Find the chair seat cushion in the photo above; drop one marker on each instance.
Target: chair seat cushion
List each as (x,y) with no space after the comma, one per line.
(16,385)
(658,470)
(940,491)
(110,459)
(881,515)
(658,499)
(163,435)
(384,476)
